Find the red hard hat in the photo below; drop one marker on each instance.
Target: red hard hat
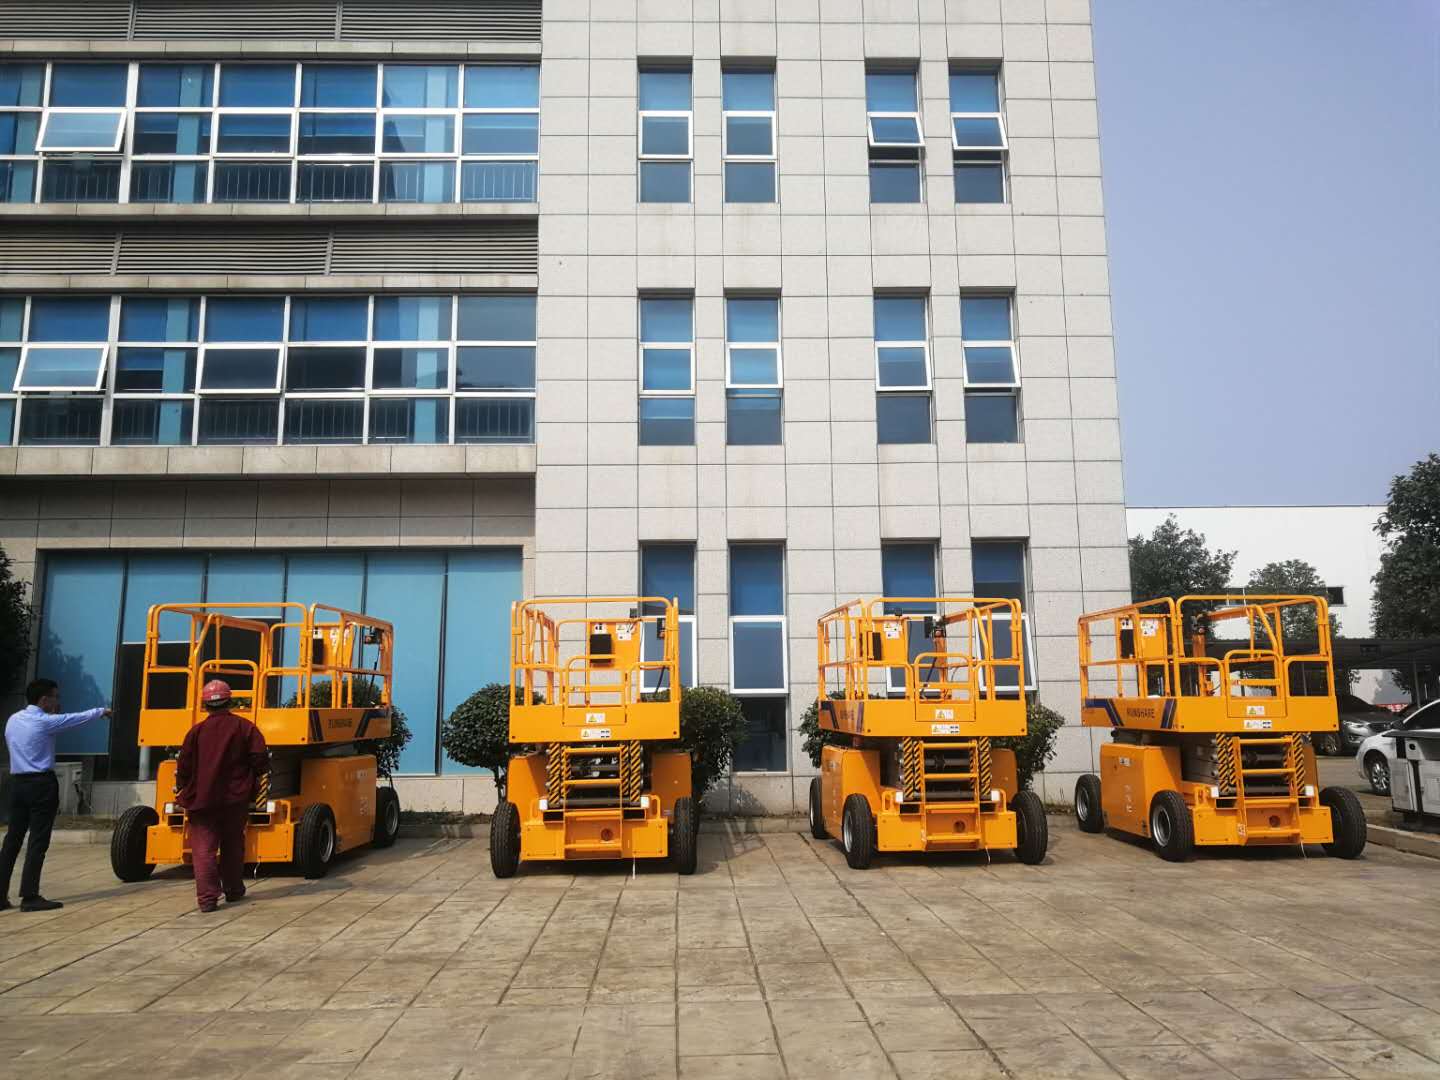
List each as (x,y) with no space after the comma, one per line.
(215,692)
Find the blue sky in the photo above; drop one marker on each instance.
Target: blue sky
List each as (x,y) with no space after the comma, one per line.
(1272,187)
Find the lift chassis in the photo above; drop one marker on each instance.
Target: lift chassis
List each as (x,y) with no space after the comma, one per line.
(316,681)
(1210,701)
(594,715)
(914,690)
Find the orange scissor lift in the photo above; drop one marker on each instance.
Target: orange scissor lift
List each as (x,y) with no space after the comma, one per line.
(918,698)
(591,712)
(1209,705)
(321,796)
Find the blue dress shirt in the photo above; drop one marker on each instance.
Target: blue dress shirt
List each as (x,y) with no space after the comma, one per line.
(31,732)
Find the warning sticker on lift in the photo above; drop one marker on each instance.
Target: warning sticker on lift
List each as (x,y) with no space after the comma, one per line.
(892,630)
(944,729)
(1258,725)
(624,631)
(595,733)
(1254,710)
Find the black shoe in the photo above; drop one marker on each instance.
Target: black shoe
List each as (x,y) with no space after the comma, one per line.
(234,899)
(206,909)
(39,903)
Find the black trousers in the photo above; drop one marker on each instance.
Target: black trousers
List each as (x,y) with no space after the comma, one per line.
(34,801)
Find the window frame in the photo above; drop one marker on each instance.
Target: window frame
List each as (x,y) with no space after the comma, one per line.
(27,350)
(967,155)
(966,343)
(376,159)
(886,144)
(771,114)
(896,343)
(731,346)
(779,619)
(668,346)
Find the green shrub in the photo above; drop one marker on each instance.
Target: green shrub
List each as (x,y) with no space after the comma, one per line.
(363,695)
(1037,746)
(816,737)
(15,619)
(477,733)
(712,724)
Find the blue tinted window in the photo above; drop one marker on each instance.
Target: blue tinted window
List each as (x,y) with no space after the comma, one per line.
(754,367)
(155,370)
(409,420)
(421,86)
(668,571)
(504,367)
(665,369)
(500,133)
(257,85)
(749,91)
(979,182)
(759,656)
(752,319)
(497,318)
(664,91)
(985,318)
(749,182)
(155,319)
(899,318)
(22,84)
(750,136)
(890,91)
(907,569)
(757,579)
(752,418)
(79,318)
(412,318)
(337,133)
(259,133)
(417,181)
(900,368)
(419,135)
(337,86)
(667,319)
(244,318)
(978,131)
(12,318)
(82,85)
(176,85)
(999,568)
(502,86)
(172,133)
(992,418)
(767,733)
(17,132)
(331,318)
(667,421)
(894,182)
(902,418)
(974,91)
(665,181)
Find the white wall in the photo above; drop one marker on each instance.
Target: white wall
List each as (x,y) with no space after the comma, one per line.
(1339,541)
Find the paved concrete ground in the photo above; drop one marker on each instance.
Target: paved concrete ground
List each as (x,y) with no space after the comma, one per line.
(775,960)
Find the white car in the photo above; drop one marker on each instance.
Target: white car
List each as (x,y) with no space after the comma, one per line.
(1378,751)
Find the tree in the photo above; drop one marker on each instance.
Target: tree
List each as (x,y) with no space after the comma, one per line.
(1292,577)
(712,725)
(1175,562)
(477,733)
(1407,587)
(15,619)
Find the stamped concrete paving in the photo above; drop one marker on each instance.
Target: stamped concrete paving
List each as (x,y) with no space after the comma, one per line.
(775,960)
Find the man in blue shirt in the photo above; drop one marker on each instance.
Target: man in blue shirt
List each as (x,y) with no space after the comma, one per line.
(34,790)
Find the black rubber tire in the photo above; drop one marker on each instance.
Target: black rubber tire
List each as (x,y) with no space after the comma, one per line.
(1347,822)
(1032,831)
(127,844)
(316,841)
(1375,767)
(505,840)
(858,832)
(685,836)
(817,813)
(1327,743)
(387,817)
(1178,832)
(1088,813)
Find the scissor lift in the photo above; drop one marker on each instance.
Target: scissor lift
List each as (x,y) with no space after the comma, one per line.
(595,696)
(315,680)
(1209,702)
(918,695)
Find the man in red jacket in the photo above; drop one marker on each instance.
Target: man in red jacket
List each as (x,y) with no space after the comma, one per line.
(219,771)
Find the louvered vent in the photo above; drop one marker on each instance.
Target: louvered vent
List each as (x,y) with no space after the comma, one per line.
(51,19)
(441,20)
(502,248)
(56,251)
(223,251)
(236,18)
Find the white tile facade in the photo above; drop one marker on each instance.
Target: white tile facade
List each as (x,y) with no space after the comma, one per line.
(829,492)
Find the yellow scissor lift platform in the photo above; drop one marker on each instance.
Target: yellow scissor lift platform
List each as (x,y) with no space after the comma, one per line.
(321,795)
(595,694)
(1209,702)
(918,697)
